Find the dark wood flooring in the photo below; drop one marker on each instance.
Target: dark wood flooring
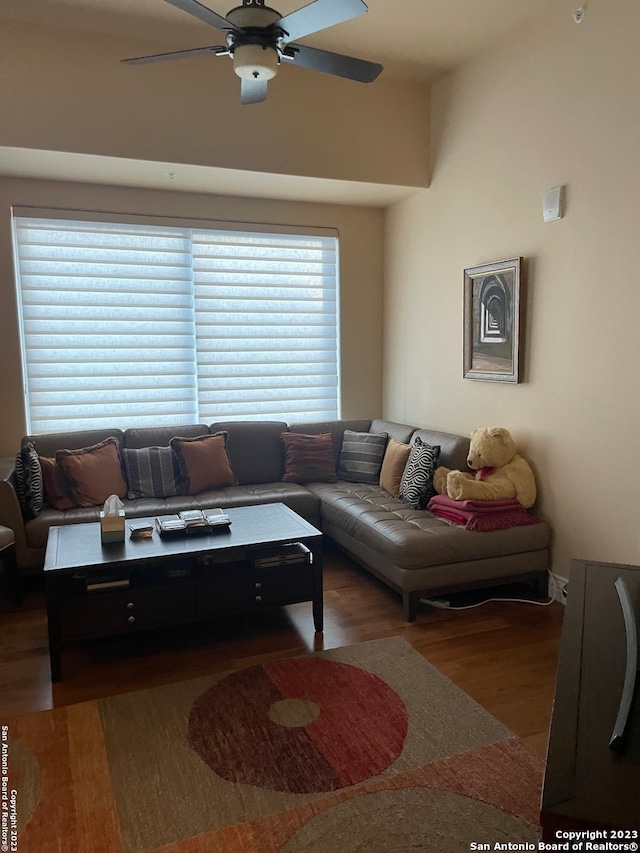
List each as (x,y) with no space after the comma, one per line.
(502,654)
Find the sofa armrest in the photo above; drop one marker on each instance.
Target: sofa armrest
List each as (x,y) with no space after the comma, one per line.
(10,512)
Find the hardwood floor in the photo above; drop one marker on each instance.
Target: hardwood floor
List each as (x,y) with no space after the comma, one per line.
(503,654)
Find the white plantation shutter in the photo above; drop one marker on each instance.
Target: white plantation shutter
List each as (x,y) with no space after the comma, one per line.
(140,324)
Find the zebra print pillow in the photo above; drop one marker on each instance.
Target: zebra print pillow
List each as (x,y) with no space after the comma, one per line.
(29,485)
(416,485)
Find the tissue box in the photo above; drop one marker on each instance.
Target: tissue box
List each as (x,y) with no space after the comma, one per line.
(112,527)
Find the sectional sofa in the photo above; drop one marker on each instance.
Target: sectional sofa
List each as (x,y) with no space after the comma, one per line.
(411,550)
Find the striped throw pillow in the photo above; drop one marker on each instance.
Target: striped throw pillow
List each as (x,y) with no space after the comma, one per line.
(308,458)
(151,472)
(361,456)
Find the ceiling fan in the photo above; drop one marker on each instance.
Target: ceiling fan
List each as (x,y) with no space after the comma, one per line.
(258,38)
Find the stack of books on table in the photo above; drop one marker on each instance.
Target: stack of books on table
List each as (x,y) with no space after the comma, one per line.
(282,555)
(193,521)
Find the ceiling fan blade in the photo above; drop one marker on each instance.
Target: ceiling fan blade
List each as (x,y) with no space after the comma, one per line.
(318,16)
(192,7)
(333,63)
(253,91)
(218,50)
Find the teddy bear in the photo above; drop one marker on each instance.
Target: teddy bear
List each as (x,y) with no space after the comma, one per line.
(500,473)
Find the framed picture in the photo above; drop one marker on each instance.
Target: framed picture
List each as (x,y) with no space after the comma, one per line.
(492,321)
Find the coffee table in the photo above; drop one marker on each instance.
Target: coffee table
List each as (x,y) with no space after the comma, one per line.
(268,557)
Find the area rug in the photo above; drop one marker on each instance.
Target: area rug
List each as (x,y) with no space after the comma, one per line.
(363,748)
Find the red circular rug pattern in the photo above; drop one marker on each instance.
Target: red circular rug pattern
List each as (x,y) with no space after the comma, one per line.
(355,731)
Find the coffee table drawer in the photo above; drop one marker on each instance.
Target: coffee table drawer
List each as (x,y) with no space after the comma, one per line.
(115,613)
(265,589)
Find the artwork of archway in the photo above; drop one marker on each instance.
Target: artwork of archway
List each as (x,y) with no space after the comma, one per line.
(495,313)
(491,316)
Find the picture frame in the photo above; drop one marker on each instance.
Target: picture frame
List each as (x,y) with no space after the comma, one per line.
(491,348)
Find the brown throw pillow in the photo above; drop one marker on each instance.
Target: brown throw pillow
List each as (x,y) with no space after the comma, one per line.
(308,458)
(203,462)
(94,472)
(393,465)
(57,488)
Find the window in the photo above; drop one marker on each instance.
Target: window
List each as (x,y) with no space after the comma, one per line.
(133,324)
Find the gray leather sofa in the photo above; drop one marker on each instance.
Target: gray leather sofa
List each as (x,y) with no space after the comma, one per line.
(412,551)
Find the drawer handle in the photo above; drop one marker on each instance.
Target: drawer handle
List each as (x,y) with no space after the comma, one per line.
(131,619)
(130,605)
(631,670)
(258,598)
(258,586)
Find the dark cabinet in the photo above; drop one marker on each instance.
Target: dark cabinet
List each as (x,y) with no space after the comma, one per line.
(592,778)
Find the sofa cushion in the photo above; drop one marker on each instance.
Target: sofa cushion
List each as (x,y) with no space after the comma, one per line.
(414,539)
(454,449)
(416,485)
(48,443)
(361,456)
(308,458)
(203,462)
(94,472)
(401,432)
(336,428)
(393,465)
(160,436)
(297,497)
(151,472)
(255,449)
(29,483)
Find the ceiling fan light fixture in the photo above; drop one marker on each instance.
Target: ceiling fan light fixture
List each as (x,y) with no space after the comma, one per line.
(255,62)
(258,37)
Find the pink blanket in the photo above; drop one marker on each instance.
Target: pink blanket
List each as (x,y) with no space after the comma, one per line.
(481,516)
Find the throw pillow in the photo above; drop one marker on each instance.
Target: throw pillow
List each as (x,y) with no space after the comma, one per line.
(151,472)
(29,483)
(361,456)
(203,462)
(416,485)
(308,458)
(95,472)
(393,465)
(57,488)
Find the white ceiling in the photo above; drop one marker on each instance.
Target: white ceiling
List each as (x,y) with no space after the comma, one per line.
(419,38)
(416,39)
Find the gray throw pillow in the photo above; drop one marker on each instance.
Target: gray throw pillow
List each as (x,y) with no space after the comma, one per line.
(361,456)
(151,472)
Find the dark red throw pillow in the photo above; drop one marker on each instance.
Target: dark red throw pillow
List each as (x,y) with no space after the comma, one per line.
(308,458)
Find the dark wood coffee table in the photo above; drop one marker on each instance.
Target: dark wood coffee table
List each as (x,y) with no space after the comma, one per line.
(268,557)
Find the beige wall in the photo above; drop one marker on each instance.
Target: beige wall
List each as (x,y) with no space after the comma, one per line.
(66,90)
(361,240)
(557,104)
